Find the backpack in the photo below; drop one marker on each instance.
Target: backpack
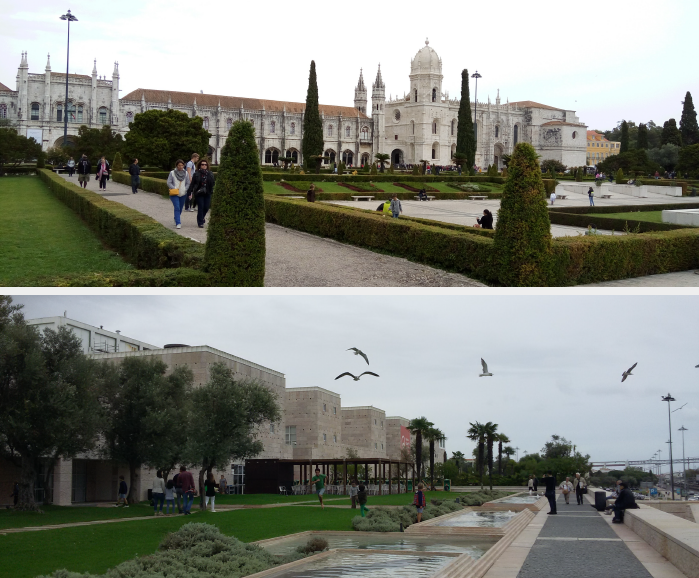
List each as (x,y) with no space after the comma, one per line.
(419,499)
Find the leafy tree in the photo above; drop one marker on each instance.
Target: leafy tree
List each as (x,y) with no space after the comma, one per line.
(557,447)
(506,160)
(57,155)
(491,432)
(49,405)
(642,141)
(145,412)
(95,143)
(477,433)
(688,122)
(671,134)
(16,149)
(465,154)
(633,161)
(381,158)
(433,435)
(312,141)
(373,170)
(235,246)
(225,417)
(419,427)
(160,137)
(666,156)
(553,165)
(458,458)
(624,146)
(522,240)
(689,160)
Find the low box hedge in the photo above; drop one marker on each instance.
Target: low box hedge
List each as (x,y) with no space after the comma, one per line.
(609,224)
(624,208)
(659,183)
(17,171)
(148,184)
(180,277)
(140,239)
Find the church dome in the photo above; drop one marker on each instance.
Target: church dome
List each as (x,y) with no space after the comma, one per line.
(426,60)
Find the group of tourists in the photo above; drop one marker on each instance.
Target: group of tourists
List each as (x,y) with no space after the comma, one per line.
(191,184)
(84,169)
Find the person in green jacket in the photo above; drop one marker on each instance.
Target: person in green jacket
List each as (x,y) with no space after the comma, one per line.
(319,479)
(362,498)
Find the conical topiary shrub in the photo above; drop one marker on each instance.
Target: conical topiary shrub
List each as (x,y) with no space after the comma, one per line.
(522,243)
(235,246)
(117,165)
(619,178)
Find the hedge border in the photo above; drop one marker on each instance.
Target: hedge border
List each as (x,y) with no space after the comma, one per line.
(180,277)
(624,208)
(609,224)
(141,240)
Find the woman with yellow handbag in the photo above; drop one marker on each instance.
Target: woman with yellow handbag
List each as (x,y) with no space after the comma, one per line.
(178,182)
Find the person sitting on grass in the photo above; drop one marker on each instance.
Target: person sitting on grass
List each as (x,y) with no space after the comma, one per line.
(319,479)
(419,501)
(362,499)
(121,495)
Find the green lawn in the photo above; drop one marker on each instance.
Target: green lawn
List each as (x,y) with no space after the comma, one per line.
(276,189)
(70,514)
(42,236)
(99,547)
(650,216)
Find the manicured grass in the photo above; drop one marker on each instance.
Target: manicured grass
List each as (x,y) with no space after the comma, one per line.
(42,236)
(650,216)
(276,189)
(70,514)
(257,499)
(99,547)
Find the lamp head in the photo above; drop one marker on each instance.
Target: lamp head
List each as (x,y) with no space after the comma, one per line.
(68,16)
(476,75)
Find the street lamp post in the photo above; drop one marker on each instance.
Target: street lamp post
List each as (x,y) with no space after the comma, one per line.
(668,398)
(475,113)
(684,466)
(70,18)
(660,465)
(517,452)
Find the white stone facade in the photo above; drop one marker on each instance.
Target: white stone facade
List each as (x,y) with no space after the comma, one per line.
(420,125)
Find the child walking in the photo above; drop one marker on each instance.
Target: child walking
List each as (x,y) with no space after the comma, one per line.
(353,494)
(210,486)
(419,501)
(170,497)
(319,479)
(362,498)
(121,495)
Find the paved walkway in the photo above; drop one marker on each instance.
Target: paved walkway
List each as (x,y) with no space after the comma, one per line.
(296,259)
(680,279)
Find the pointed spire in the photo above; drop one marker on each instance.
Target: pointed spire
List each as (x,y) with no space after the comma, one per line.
(143,97)
(497,100)
(360,84)
(379,81)
(23,63)
(48,63)
(115,74)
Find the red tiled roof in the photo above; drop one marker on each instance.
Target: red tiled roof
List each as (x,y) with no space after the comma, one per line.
(3,88)
(187,99)
(532,104)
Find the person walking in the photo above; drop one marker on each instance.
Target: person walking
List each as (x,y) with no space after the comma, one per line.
(223,485)
(353,494)
(135,171)
(178,182)
(362,499)
(530,484)
(536,483)
(580,485)
(103,173)
(191,168)
(311,194)
(566,488)
(591,196)
(186,480)
(71,166)
(158,493)
(169,497)
(15,494)
(553,197)
(419,501)
(121,493)
(84,170)
(396,207)
(201,189)
(210,491)
(179,497)
(319,479)
(550,493)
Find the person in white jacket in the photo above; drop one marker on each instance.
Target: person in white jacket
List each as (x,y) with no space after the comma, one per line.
(178,181)
(158,493)
(566,488)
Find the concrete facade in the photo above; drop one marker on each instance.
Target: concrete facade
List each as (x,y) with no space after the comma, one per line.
(394,442)
(315,415)
(364,428)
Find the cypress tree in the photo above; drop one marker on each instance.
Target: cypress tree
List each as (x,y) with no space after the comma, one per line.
(642,142)
(117,165)
(671,134)
(688,122)
(312,141)
(624,137)
(619,179)
(522,243)
(235,247)
(465,153)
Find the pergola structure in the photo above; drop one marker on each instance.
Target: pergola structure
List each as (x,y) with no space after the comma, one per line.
(266,476)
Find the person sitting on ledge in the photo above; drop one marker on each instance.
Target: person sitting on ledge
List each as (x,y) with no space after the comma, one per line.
(422,195)
(625,501)
(486,221)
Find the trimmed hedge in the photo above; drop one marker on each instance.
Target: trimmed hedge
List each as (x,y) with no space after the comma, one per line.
(659,183)
(181,277)
(624,208)
(608,224)
(148,184)
(16,171)
(140,239)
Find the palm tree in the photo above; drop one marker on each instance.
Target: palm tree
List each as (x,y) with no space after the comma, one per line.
(490,435)
(501,439)
(432,435)
(419,426)
(476,433)
(458,457)
(509,451)
(382,158)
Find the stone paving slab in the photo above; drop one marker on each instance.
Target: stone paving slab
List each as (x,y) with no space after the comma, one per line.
(579,527)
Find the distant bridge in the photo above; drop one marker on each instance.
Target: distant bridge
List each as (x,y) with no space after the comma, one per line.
(648,462)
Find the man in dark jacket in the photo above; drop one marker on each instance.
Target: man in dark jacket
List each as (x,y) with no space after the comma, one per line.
(625,501)
(84,169)
(200,189)
(135,171)
(550,493)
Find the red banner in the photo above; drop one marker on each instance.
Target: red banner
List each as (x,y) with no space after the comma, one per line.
(404,437)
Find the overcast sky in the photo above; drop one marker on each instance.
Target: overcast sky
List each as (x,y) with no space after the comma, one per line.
(557,360)
(618,60)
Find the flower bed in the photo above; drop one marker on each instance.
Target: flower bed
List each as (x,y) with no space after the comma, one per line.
(416,190)
(369,188)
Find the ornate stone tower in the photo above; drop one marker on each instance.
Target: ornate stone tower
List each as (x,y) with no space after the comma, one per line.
(115,95)
(426,76)
(378,101)
(93,95)
(47,90)
(22,88)
(360,94)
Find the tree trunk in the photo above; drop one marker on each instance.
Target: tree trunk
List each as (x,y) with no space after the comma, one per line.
(432,465)
(26,486)
(318,163)
(418,454)
(131,497)
(202,504)
(481,458)
(490,462)
(500,458)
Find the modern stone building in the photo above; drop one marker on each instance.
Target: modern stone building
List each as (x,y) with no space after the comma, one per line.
(314,424)
(421,124)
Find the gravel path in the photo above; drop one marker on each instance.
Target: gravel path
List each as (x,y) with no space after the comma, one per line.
(296,259)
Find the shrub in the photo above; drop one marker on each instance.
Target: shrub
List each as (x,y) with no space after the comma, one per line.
(389,520)
(180,277)
(373,169)
(313,545)
(619,177)
(481,497)
(522,241)
(118,165)
(235,244)
(41,161)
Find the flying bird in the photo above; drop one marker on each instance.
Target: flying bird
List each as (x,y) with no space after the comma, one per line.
(485,369)
(356,377)
(358,352)
(628,372)
(696,366)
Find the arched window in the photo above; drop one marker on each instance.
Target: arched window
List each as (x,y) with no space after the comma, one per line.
(365,133)
(434,127)
(497,131)
(35,111)
(272,127)
(434,95)
(330,130)
(295,157)
(268,156)
(434,154)
(453,127)
(206,122)
(70,111)
(515,139)
(331,154)
(275,156)
(347,132)
(416,95)
(365,159)
(59,113)
(3,111)
(102,115)
(293,128)
(80,114)
(129,116)
(229,123)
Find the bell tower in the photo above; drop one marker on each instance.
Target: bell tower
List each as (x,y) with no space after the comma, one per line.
(360,94)
(378,101)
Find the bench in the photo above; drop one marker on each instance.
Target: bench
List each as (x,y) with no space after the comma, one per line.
(605,196)
(429,198)
(478,197)
(362,197)
(561,197)
(57,171)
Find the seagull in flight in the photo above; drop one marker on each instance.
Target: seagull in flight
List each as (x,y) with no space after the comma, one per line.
(356,377)
(485,369)
(358,352)
(628,372)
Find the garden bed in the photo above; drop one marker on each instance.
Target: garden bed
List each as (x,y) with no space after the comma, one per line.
(361,188)
(414,189)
